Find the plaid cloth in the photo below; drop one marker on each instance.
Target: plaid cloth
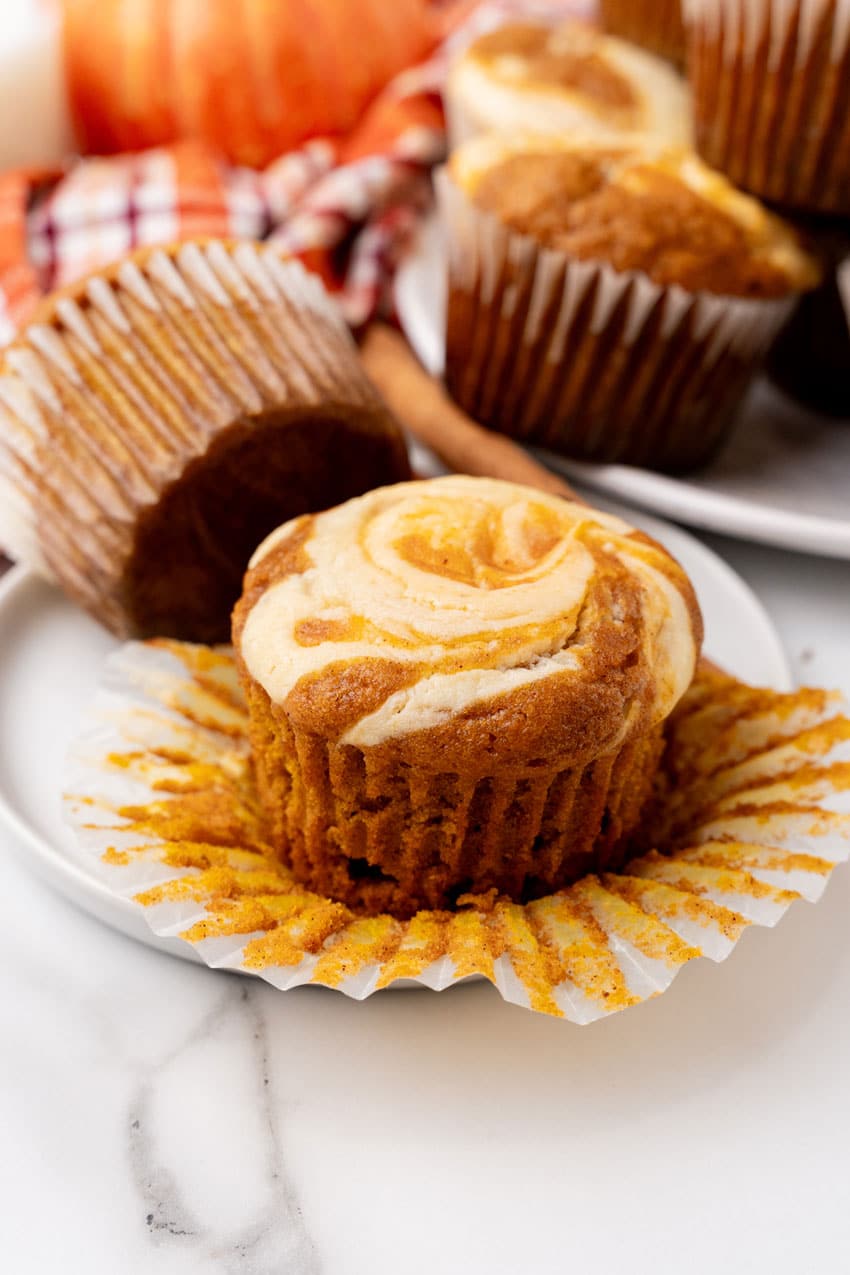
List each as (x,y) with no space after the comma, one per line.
(347,207)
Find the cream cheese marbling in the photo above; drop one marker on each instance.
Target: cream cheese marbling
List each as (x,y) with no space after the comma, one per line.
(478,583)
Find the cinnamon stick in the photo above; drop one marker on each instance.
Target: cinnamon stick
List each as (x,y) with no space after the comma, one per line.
(421,404)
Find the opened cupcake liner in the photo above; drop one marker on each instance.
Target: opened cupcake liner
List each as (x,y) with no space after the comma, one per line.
(145,370)
(753,813)
(771,88)
(589,361)
(654,24)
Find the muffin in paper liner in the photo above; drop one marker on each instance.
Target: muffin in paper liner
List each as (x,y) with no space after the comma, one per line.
(655,24)
(593,362)
(161,416)
(751,815)
(771,89)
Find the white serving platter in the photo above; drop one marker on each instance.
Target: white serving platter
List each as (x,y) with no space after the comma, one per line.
(52,657)
(782,479)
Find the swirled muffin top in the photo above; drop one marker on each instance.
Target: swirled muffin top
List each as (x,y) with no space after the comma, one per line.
(646,208)
(568,77)
(471,610)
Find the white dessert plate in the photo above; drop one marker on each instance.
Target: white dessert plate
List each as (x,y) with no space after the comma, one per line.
(52,656)
(782,479)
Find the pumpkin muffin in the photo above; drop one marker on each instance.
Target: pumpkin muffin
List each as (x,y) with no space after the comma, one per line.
(567,79)
(655,24)
(459,686)
(162,416)
(771,86)
(609,301)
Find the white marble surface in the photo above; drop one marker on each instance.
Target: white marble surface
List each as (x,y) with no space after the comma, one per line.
(157,1117)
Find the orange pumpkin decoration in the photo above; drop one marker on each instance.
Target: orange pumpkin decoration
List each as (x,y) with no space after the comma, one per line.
(251,77)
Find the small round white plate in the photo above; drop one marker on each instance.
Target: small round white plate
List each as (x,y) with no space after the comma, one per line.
(53,657)
(782,479)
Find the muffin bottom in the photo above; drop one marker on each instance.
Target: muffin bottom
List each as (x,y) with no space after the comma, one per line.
(384,837)
(191,548)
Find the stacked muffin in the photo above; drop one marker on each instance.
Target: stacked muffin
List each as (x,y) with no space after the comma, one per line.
(611,296)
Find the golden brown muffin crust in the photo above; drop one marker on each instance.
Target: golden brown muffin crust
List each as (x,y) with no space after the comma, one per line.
(656,225)
(572,716)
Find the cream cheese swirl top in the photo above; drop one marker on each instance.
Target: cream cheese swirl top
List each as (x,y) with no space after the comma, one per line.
(466,590)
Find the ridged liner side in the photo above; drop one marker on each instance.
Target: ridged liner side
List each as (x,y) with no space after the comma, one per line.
(132,375)
(771,89)
(420,838)
(589,361)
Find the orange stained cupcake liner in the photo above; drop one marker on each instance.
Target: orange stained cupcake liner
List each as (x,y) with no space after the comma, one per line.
(771,90)
(589,361)
(753,813)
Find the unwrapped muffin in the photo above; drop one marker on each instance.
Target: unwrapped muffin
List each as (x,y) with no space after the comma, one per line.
(609,301)
(459,686)
(162,416)
(771,86)
(567,79)
(655,24)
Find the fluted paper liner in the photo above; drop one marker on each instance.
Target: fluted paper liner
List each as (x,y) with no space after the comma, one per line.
(590,361)
(132,377)
(771,87)
(751,815)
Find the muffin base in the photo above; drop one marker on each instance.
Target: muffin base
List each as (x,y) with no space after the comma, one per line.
(772,99)
(383,837)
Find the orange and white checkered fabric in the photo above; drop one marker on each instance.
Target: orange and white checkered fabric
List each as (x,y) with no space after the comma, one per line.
(347,206)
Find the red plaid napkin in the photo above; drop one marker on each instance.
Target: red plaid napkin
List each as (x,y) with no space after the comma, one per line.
(348,207)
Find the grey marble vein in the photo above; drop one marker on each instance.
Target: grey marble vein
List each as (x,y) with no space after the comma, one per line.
(276,1240)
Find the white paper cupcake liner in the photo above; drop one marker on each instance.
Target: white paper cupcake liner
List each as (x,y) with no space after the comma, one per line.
(588,360)
(771,85)
(135,376)
(752,815)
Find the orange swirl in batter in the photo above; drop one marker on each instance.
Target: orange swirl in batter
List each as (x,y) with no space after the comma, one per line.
(470,587)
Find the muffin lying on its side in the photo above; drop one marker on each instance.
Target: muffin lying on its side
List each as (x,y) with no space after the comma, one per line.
(163,415)
(459,686)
